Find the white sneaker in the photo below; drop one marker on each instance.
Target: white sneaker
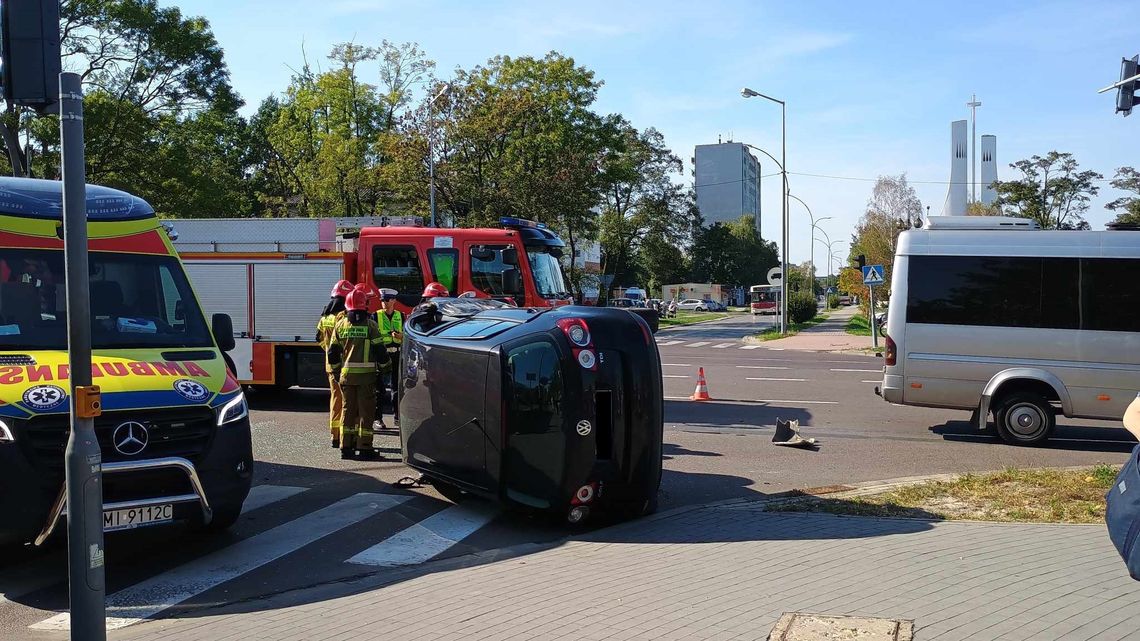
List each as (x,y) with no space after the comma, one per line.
(378,425)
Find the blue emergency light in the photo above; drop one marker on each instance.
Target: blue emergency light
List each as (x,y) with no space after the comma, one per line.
(511,221)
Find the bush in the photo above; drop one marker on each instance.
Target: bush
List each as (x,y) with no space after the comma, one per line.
(801,307)
(833,301)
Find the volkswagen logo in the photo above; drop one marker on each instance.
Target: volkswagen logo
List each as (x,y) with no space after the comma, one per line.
(130,438)
(584,428)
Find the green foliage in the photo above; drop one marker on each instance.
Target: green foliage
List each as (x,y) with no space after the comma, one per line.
(732,254)
(1127,208)
(833,301)
(892,207)
(1052,191)
(801,307)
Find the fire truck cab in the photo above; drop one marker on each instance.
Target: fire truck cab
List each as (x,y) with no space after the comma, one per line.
(272,276)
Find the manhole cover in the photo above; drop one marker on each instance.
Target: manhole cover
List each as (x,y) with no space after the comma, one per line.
(799,626)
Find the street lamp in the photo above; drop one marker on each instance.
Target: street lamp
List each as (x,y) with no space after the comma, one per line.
(431,150)
(813,219)
(749,93)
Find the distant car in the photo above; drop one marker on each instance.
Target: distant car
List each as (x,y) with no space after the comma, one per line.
(694,305)
(555,409)
(715,306)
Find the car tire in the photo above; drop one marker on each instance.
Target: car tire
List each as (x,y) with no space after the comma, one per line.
(701,309)
(1025,418)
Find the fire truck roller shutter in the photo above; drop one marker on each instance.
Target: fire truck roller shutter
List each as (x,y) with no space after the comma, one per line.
(288,297)
(223,288)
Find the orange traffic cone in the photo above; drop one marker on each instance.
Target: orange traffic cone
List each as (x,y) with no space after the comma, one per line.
(702,393)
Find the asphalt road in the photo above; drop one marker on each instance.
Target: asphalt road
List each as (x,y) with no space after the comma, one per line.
(315,519)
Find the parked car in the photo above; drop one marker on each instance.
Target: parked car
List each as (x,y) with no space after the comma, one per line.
(715,306)
(694,305)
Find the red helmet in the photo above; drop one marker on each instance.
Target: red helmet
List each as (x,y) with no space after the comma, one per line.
(357,300)
(435,290)
(342,289)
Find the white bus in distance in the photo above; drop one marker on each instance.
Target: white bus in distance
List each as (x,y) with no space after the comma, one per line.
(994,315)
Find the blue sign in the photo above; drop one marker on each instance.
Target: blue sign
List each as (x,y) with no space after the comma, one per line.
(873,275)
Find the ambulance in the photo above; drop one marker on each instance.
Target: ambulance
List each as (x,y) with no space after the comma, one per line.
(174,430)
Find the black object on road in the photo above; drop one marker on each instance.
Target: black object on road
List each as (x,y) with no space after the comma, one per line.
(551,409)
(788,433)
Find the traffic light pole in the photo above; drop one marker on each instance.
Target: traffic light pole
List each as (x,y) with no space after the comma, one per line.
(82,458)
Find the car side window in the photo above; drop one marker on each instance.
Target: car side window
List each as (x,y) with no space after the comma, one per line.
(398,267)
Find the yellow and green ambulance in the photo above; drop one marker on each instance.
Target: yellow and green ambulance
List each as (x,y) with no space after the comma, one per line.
(174,430)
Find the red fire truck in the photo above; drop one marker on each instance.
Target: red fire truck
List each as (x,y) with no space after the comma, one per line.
(273,276)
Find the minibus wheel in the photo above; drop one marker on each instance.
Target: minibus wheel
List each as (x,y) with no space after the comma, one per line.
(1025,418)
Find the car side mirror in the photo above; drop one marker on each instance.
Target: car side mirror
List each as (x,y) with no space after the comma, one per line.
(223,328)
(179,311)
(512,281)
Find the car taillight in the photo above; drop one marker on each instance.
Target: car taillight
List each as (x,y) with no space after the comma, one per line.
(644,327)
(892,352)
(576,330)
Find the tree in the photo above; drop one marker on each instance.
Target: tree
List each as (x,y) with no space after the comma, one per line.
(892,207)
(1052,190)
(160,116)
(978,208)
(640,199)
(733,254)
(1127,207)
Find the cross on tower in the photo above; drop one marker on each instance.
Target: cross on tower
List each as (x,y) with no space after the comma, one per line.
(973,105)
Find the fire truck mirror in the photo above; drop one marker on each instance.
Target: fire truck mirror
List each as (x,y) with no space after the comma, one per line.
(482,254)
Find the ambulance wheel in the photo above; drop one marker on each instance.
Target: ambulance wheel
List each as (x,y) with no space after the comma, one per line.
(1025,418)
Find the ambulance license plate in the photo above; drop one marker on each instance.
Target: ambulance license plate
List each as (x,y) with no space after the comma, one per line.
(136,517)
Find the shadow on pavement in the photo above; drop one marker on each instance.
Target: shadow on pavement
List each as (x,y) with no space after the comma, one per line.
(291,400)
(734,414)
(671,451)
(1074,438)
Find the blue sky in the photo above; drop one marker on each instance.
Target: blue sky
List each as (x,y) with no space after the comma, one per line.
(871,87)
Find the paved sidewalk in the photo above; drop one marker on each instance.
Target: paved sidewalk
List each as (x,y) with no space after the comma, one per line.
(724,572)
(828,336)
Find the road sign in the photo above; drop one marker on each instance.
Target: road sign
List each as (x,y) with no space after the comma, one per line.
(775,276)
(873,275)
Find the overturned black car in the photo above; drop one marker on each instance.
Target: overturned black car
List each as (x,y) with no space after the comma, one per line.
(551,409)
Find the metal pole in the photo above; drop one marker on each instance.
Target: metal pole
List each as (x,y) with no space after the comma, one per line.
(784,244)
(973,105)
(431,159)
(82,457)
(874,328)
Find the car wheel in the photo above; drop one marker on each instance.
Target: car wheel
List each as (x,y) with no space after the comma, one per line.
(1025,418)
(702,309)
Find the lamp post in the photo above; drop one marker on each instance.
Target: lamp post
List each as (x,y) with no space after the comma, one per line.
(811,252)
(749,93)
(431,150)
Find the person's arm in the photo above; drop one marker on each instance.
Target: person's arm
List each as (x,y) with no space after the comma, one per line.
(1132,417)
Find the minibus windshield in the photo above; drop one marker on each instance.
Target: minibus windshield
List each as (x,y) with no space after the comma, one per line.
(137,301)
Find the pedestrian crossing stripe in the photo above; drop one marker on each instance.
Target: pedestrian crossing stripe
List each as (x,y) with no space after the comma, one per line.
(416,544)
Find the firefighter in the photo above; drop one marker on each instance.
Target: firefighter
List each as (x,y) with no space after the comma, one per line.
(332,313)
(433,290)
(391,323)
(355,354)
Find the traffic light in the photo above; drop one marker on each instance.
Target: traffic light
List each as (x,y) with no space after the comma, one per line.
(1126,97)
(30,49)
(862,261)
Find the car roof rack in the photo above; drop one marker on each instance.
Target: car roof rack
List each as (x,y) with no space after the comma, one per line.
(980,222)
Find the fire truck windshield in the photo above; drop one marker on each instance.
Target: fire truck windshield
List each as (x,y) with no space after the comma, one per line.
(547,274)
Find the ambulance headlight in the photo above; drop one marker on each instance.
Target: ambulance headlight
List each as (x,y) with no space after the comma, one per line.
(235,410)
(5,433)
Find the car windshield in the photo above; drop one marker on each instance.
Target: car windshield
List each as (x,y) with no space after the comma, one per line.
(136,301)
(547,274)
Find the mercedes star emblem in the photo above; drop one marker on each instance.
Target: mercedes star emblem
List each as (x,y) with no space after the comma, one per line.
(130,438)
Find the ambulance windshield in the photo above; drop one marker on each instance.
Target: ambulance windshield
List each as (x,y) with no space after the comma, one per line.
(137,301)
